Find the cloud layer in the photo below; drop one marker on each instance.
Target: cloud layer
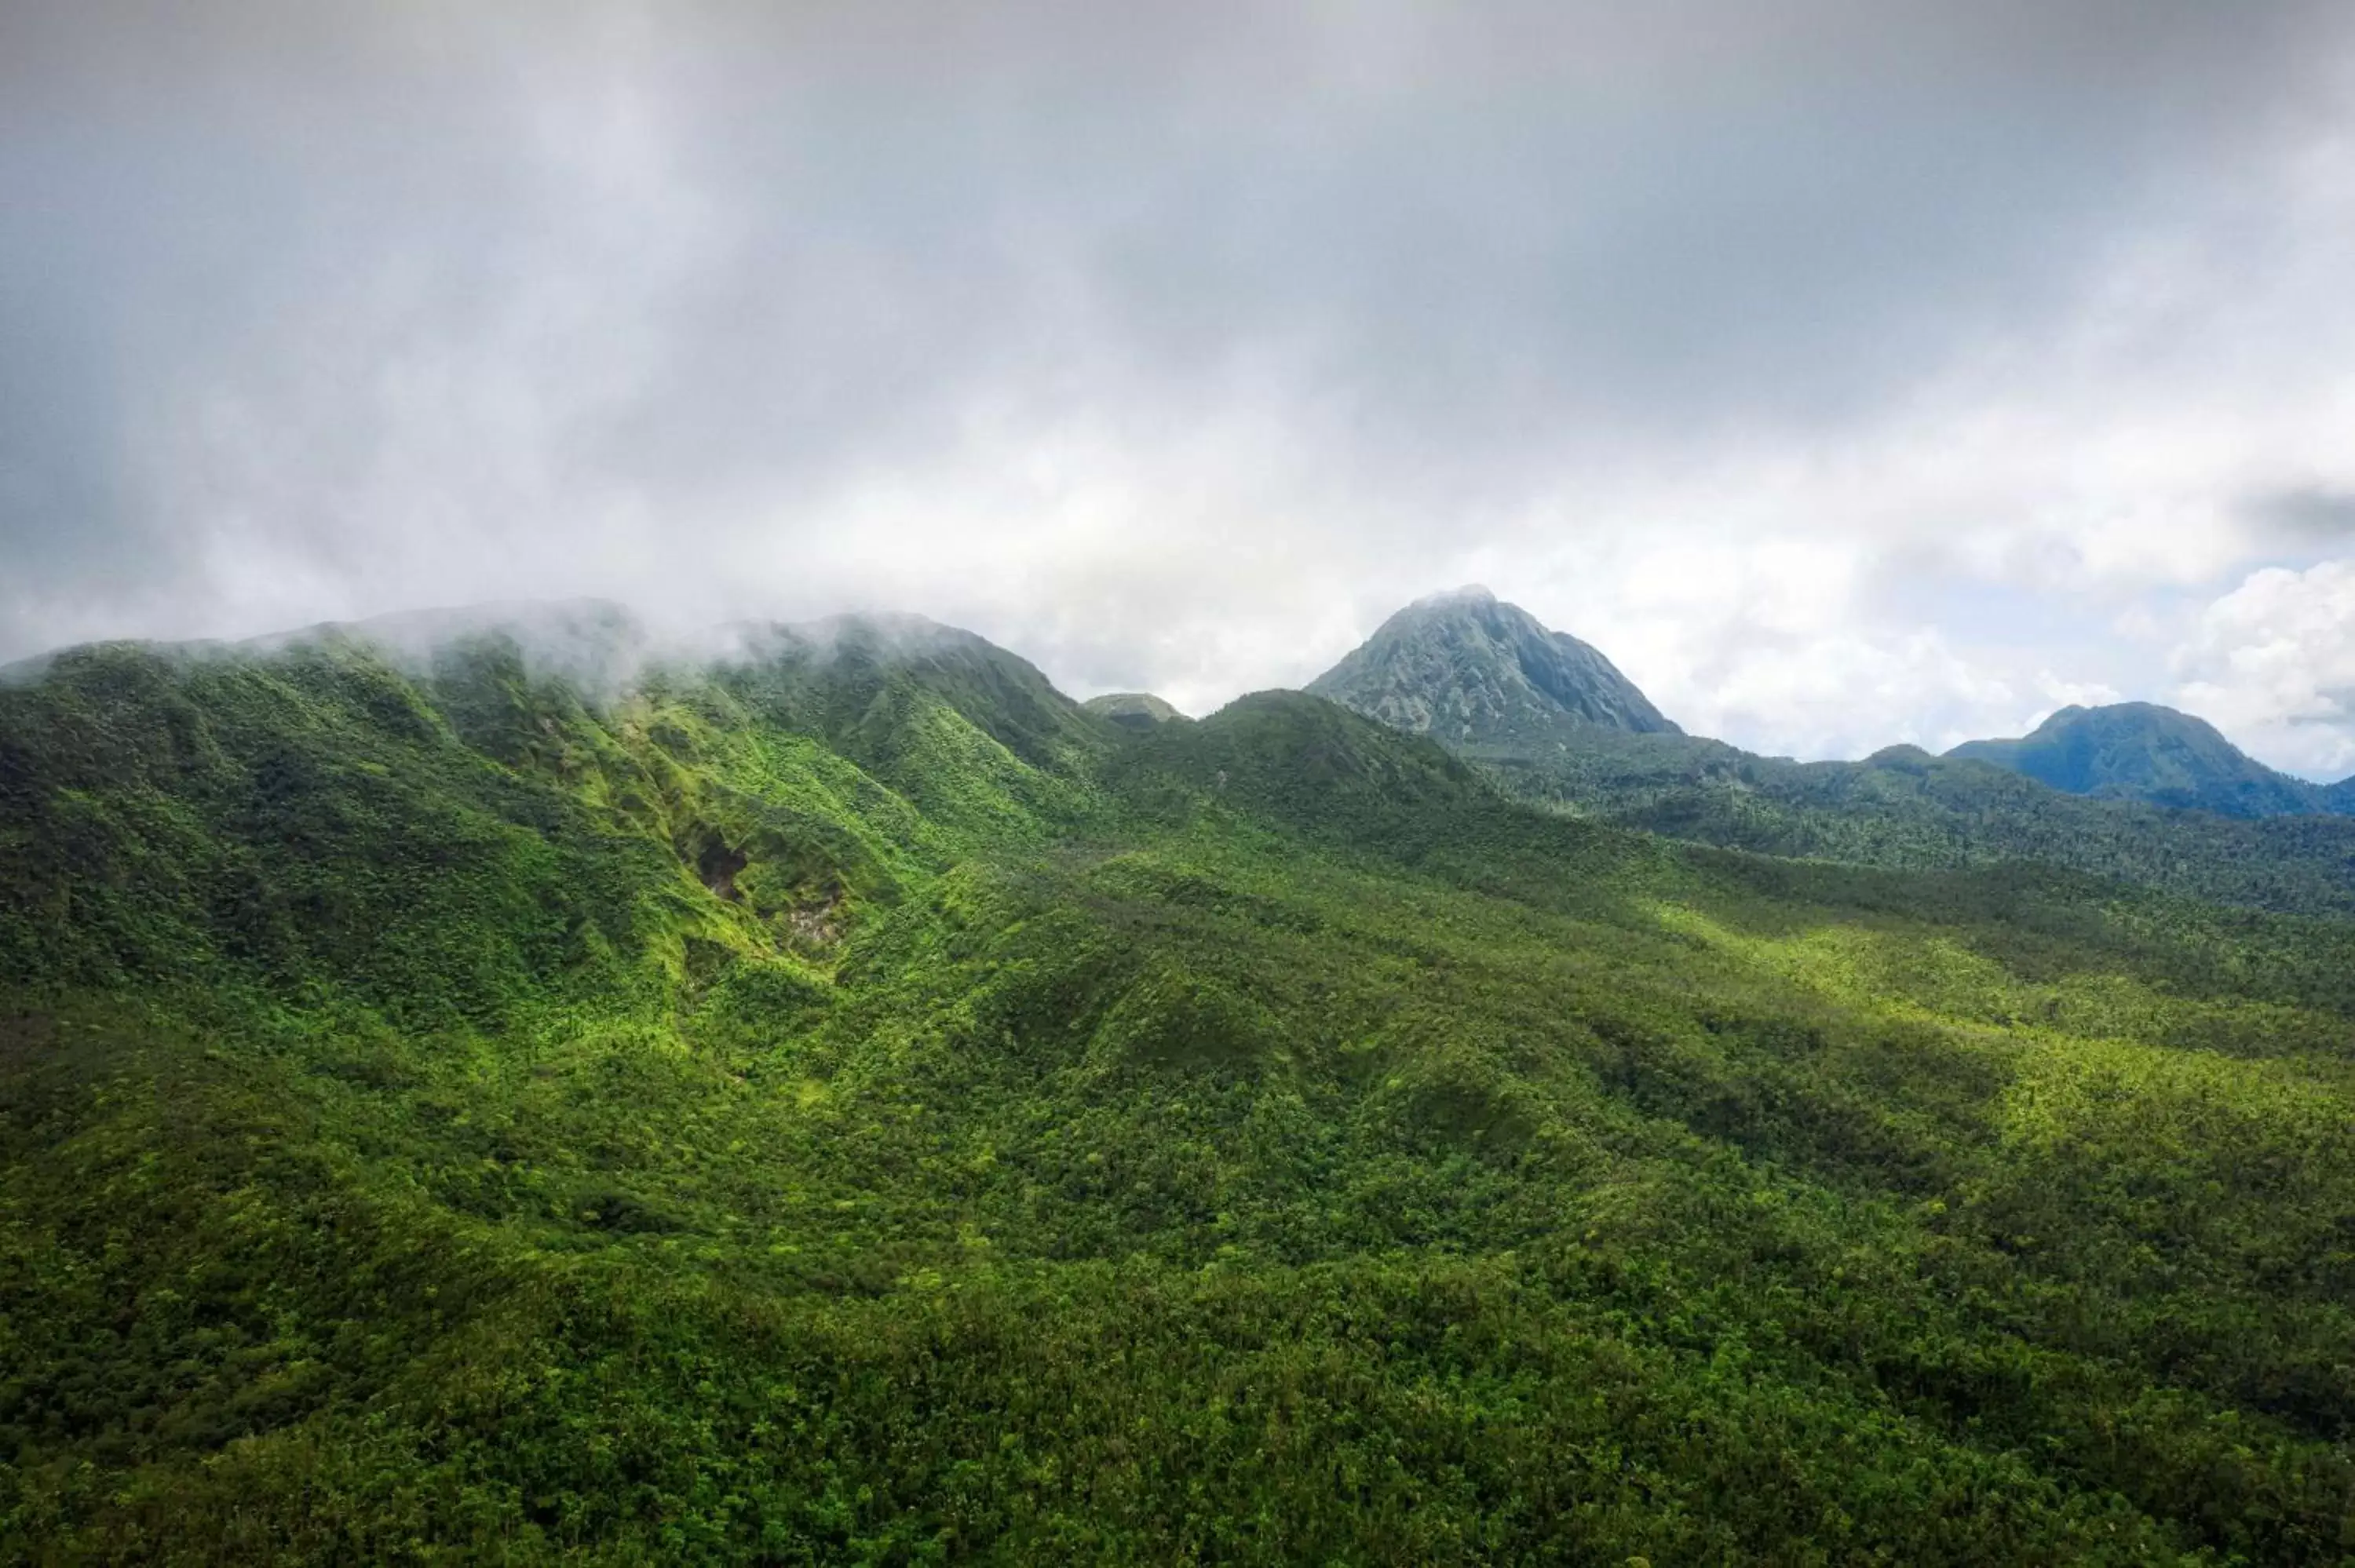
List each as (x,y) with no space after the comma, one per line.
(1850,373)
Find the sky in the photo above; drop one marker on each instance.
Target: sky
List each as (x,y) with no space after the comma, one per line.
(1849,371)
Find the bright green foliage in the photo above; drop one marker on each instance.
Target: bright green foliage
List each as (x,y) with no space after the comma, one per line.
(848,1104)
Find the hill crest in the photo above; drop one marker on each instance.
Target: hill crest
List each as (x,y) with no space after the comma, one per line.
(2143,751)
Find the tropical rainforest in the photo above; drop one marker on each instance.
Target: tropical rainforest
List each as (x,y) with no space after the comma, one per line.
(832,1098)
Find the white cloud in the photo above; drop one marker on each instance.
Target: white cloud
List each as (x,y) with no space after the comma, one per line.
(1845,384)
(2272,663)
(2059,694)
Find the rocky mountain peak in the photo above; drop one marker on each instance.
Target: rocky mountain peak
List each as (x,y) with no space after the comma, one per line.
(1469,669)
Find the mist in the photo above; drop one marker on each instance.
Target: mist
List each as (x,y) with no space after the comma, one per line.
(1850,374)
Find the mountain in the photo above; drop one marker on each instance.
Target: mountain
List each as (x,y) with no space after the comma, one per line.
(2141,751)
(1472,671)
(537,1092)
(867,682)
(1133,710)
(1900,809)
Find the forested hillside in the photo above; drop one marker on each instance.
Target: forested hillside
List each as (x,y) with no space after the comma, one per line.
(1904,809)
(2131,792)
(2139,751)
(833,1099)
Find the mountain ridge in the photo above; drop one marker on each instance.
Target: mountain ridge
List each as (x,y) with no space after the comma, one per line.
(1902,808)
(1135,710)
(899,1116)
(2149,752)
(599,643)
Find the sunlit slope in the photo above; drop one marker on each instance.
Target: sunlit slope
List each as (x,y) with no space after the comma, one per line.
(476,831)
(817,1108)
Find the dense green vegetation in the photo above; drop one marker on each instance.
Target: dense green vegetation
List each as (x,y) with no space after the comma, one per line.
(847,1103)
(2139,751)
(1904,808)
(1553,723)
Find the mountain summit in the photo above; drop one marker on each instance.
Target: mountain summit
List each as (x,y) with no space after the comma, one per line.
(1470,670)
(2141,751)
(877,1078)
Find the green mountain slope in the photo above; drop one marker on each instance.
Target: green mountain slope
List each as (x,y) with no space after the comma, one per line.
(830,1098)
(1900,809)
(1133,710)
(2139,751)
(1904,808)
(1470,670)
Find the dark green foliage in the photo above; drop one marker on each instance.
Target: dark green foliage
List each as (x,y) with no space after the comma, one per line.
(847,1102)
(1904,808)
(1549,719)
(2138,751)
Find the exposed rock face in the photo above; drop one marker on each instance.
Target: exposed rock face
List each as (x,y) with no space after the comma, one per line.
(1470,670)
(2141,751)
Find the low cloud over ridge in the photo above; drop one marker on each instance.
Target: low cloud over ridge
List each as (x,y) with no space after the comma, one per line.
(1850,374)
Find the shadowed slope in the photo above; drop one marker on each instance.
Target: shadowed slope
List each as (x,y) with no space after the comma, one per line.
(2139,751)
(1448,668)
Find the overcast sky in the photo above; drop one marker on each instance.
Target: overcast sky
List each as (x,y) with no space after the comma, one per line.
(1848,372)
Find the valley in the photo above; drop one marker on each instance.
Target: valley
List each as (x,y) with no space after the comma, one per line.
(519,1094)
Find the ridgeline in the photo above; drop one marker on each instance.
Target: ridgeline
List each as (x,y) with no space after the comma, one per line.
(525,1095)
